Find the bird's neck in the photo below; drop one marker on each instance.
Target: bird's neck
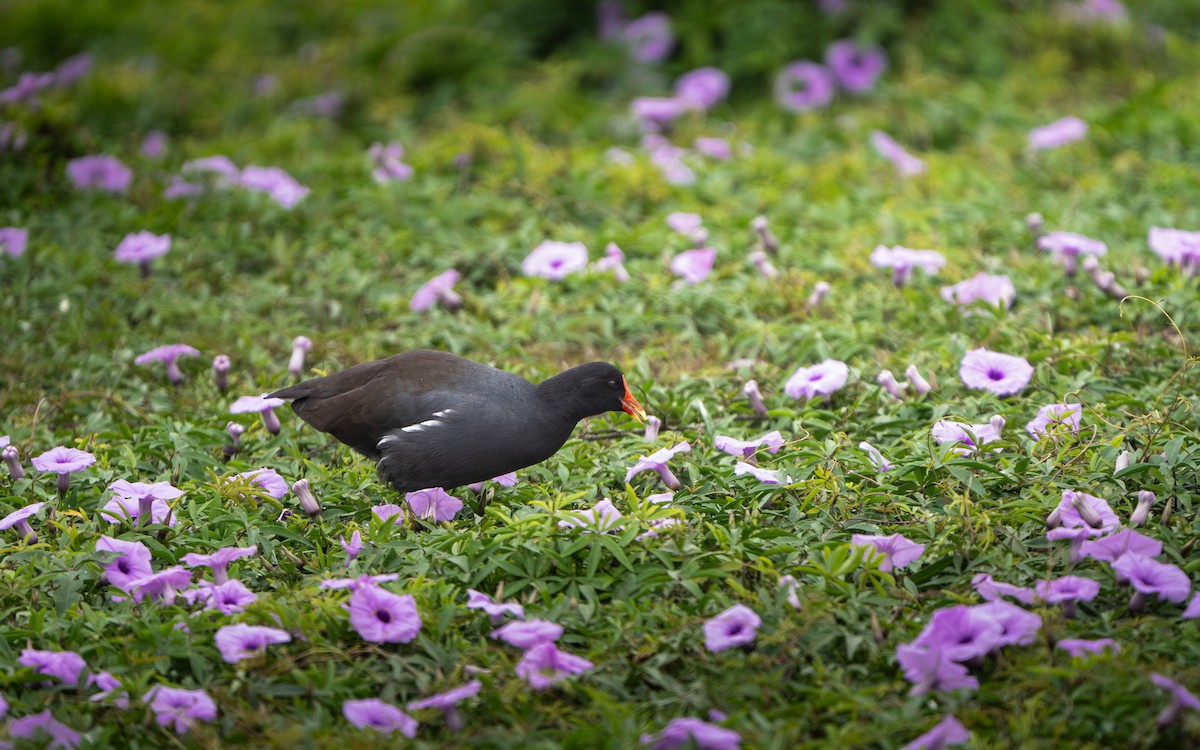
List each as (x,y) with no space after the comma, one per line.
(560,398)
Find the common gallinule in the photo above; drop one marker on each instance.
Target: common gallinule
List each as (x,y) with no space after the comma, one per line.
(434,419)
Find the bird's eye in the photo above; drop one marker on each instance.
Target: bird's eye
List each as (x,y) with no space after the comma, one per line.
(613,384)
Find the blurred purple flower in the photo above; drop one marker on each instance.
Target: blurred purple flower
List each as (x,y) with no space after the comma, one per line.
(308,501)
(1068,246)
(1113,546)
(613,260)
(26,89)
(656,113)
(372,713)
(736,626)
(352,548)
(64,462)
(221,167)
(108,686)
(1017,626)
(1176,247)
(896,550)
(1181,698)
(433,503)
(300,346)
(992,289)
(543,665)
(268,480)
(387,162)
(687,732)
(438,289)
(20,519)
(1002,374)
(949,731)
(154,145)
(141,248)
(555,260)
(880,463)
(772,441)
(162,586)
(218,562)
(1147,576)
(265,406)
(855,67)
(66,666)
(61,735)
(99,172)
(1081,510)
(1076,535)
(888,382)
(906,164)
(1144,503)
(821,379)
(1058,133)
(72,69)
(228,598)
(168,354)
(685,223)
(448,703)
(713,148)
(1192,611)
(649,37)
(760,260)
(991,590)
(766,476)
(180,708)
(750,389)
(669,160)
(495,610)
(1055,418)
(13,240)
(141,502)
(1078,647)
(961,632)
(803,85)
(389,511)
(525,634)
(792,587)
(903,260)
(132,562)
(603,517)
(380,616)
(282,187)
(929,669)
(920,385)
(820,290)
(702,88)
(241,641)
(354,584)
(657,461)
(948,431)
(1066,590)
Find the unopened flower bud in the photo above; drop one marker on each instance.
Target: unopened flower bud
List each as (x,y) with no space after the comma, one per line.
(756,402)
(888,382)
(653,424)
(13,459)
(769,243)
(919,384)
(1035,223)
(997,423)
(308,501)
(300,346)
(1122,461)
(1142,511)
(220,367)
(819,292)
(759,260)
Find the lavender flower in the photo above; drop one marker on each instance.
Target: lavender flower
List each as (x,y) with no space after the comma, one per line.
(1113,546)
(929,669)
(1181,698)
(906,164)
(100,172)
(131,563)
(702,88)
(803,85)
(1076,535)
(61,735)
(448,703)
(229,598)
(1058,133)
(154,145)
(180,708)
(220,366)
(20,519)
(772,441)
(992,289)
(856,68)
(389,511)
(657,461)
(948,431)
(380,616)
(13,239)
(372,713)
(902,260)
(162,586)
(820,290)
(495,610)
(109,686)
(1176,247)
(656,113)
(1066,590)
(1144,504)
(896,551)
(1081,510)
(1192,611)
(141,503)
(653,425)
(613,260)
(686,732)
(601,518)
(1148,576)
(278,184)
(388,164)
(439,289)
(649,37)
(961,632)
(66,666)
(352,548)
(880,463)
(750,389)
(64,462)
(1002,374)
(792,586)
(141,248)
(167,354)
(713,148)
(760,226)
(544,665)
(766,476)
(13,459)
(300,347)
(888,382)
(1068,246)
(736,626)
(555,260)
(821,379)
(434,503)
(991,590)
(949,731)
(1078,647)
(526,634)
(920,385)
(1055,418)
(760,260)
(308,501)
(218,562)
(27,88)
(693,266)
(264,405)
(241,641)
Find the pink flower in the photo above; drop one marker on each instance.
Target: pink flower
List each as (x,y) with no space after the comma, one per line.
(495,610)
(970,436)
(1068,246)
(141,502)
(657,112)
(766,476)
(20,519)
(100,172)
(1055,419)
(821,379)
(268,480)
(64,462)
(613,260)
(657,461)
(693,266)
(218,562)
(603,517)
(772,441)
(687,732)
(241,641)
(555,260)
(1002,374)
(526,634)
(265,406)
(154,144)
(1058,133)
(386,160)
(949,731)
(713,148)
(1176,247)
(180,708)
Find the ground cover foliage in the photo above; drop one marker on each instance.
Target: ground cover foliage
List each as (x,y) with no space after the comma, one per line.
(507,113)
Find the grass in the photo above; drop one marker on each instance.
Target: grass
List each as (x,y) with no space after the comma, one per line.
(535,108)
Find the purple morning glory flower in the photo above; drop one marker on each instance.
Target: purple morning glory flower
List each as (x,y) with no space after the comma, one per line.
(308,501)
(754,396)
(372,713)
(821,379)
(526,634)
(949,731)
(1076,535)
(803,85)
(713,148)
(948,431)
(108,686)
(990,288)
(1113,546)
(387,162)
(264,405)
(686,732)
(613,260)
(504,480)
(66,666)
(356,583)
(433,503)
(64,462)
(792,586)
(653,425)
(1058,133)
(880,463)
(736,626)
(668,159)
(961,632)
(132,562)
(20,519)
(180,708)
(142,247)
(300,347)
(896,550)
(766,476)
(1148,576)
(99,172)
(389,511)
(28,727)
(219,561)
(1017,626)
(657,461)
(761,261)
(702,88)
(495,610)
(649,37)
(27,88)
(929,669)
(856,68)
(154,144)
(761,227)
(693,266)
(906,164)
(167,354)
(352,548)
(448,703)
(1081,510)
(1055,418)
(1068,246)
(772,441)
(661,524)
(141,502)
(221,365)
(1002,374)
(162,586)
(991,590)
(903,260)
(604,516)
(241,641)
(275,182)
(544,664)
(1192,611)
(439,289)
(1144,503)
(1078,647)
(555,260)
(1066,590)
(687,224)
(229,598)
(13,240)
(1176,247)
(268,480)
(380,616)
(920,385)
(656,113)
(1181,698)
(887,381)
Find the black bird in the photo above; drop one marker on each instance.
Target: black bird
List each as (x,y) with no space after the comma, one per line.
(434,419)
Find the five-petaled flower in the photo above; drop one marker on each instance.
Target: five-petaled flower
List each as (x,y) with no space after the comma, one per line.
(380,616)
(242,641)
(1002,374)
(555,260)
(736,626)
(895,551)
(821,379)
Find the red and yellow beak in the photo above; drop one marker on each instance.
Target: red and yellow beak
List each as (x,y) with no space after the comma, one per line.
(630,404)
